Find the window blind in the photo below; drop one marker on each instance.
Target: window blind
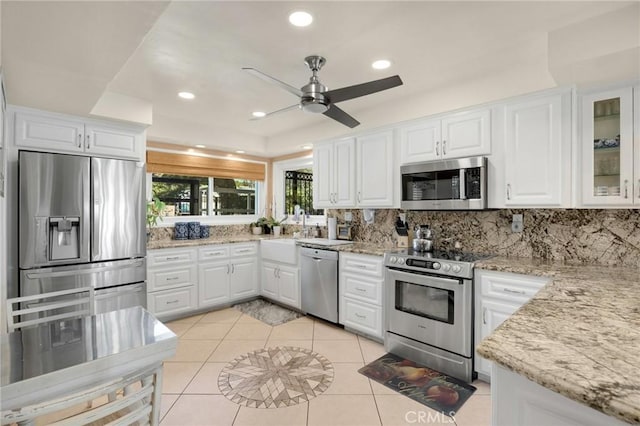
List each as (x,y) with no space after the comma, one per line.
(192,165)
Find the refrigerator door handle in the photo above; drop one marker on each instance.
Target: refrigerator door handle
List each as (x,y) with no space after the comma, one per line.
(76,272)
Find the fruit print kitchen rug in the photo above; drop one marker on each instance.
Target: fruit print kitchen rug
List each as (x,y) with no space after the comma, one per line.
(429,387)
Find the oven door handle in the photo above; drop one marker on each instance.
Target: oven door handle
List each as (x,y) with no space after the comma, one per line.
(426,280)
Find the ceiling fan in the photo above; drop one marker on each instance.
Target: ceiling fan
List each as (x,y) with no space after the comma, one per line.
(314,96)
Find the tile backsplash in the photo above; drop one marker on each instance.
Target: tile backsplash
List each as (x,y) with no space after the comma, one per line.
(610,237)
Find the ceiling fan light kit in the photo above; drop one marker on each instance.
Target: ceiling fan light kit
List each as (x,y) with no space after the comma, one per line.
(316,98)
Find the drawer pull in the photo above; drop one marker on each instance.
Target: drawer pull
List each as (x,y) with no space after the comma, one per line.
(508,290)
(215,253)
(361,316)
(361,266)
(172,302)
(243,251)
(172,258)
(361,289)
(173,278)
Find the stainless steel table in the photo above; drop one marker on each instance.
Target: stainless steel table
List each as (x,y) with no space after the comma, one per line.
(47,362)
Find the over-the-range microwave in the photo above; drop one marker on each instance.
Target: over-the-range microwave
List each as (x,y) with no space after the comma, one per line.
(458,184)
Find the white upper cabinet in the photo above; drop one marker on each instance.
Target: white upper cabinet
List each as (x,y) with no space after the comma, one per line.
(334,182)
(40,130)
(355,172)
(375,169)
(462,134)
(537,151)
(608,150)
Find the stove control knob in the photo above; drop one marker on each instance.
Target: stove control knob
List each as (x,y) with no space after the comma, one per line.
(435,265)
(446,267)
(456,268)
(401,260)
(393,259)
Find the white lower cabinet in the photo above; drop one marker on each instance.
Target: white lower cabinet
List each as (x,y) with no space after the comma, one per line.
(497,296)
(185,280)
(517,401)
(281,283)
(361,283)
(228,279)
(172,281)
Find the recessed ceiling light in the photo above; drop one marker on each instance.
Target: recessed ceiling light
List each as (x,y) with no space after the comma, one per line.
(306,147)
(239,151)
(200,146)
(258,114)
(186,95)
(382,64)
(300,19)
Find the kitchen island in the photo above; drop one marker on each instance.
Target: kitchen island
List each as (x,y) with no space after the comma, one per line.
(59,364)
(579,337)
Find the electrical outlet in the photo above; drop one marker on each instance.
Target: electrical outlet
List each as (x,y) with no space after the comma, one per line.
(517,223)
(348,217)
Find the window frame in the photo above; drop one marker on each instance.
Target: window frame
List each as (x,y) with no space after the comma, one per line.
(239,219)
(279,169)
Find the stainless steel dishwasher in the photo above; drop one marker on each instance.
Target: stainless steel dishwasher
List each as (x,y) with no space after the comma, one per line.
(319,283)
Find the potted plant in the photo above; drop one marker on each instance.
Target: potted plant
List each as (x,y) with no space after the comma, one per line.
(258,227)
(155,211)
(275,225)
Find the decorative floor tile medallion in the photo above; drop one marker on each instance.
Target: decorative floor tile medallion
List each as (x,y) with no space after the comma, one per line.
(275,377)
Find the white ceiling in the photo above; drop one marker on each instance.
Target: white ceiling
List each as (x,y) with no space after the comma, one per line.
(64,56)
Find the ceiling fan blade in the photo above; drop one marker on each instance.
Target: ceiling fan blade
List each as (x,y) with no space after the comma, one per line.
(341,116)
(276,112)
(351,92)
(269,79)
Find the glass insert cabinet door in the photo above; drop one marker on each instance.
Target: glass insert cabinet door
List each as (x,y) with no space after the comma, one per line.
(607,148)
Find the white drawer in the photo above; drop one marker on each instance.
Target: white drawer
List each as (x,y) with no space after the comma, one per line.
(362,288)
(165,257)
(172,301)
(363,317)
(513,287)
(178,276)
(244,249)
(361,264)
(213,253)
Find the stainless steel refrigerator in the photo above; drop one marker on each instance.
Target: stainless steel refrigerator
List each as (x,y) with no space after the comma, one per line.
(82,223)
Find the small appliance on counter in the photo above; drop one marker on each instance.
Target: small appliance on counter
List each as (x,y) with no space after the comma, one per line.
(423,239)
(344,232)
(402,229)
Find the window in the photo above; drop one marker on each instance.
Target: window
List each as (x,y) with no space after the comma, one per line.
(293,183)
(298,189)
(204,196)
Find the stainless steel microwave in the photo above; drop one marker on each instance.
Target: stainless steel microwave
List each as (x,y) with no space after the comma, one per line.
(458,184)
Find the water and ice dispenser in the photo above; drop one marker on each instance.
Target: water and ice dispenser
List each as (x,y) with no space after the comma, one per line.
(64,238)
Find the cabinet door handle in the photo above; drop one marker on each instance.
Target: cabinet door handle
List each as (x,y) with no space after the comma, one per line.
(233,268)
(638,188)
(484,315)
(361,316)
(88,141)
(437,147)
(228,269)
(361,289)
(172,258)
(173,278)
(79,140)
(359,197)
(275,272)
(444,147)
(626,188)
(172,301)
(508,191)
(508,290)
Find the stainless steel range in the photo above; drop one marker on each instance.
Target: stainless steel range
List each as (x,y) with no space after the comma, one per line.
(429,312)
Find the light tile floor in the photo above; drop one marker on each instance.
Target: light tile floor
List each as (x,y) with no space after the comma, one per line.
(207,343)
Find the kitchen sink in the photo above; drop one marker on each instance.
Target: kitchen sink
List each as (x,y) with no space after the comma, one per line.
(279,250)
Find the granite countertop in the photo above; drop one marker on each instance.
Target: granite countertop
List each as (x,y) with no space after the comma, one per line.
(356,247)
(579,336)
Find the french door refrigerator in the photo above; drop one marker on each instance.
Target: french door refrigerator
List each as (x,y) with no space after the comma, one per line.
(81,224)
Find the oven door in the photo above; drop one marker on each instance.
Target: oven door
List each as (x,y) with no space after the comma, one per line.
(431,309)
